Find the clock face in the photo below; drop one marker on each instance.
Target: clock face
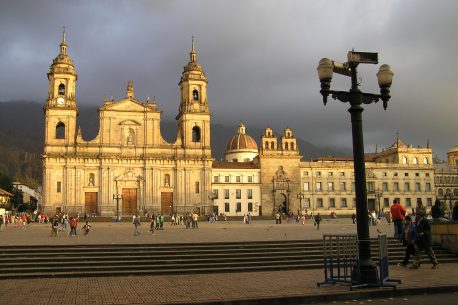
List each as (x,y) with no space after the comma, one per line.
(60,101)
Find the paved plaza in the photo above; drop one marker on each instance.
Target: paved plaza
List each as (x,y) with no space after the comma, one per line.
(276,287)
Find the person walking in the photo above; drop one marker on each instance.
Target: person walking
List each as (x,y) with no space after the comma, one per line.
(423,242)
(408,240)
(151,226)
(398,213)
(2,221)
(317,221)
(86,228)
(137,224)
(353,218)
(73,225)
(54,226)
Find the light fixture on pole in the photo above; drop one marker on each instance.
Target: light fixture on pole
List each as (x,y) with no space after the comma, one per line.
(117,197)
(367,273)
(300,196)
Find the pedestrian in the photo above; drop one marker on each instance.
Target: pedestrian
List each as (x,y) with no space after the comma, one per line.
(419,210)
(278,218)
(388,217)
(73,225)
(455,211)
(137,224)
(353,218)
(423,242)
(398,214)
(408,240)
(317,221)
(195,219)
(1,223)
(86,228)
(54,227)
(437,211)
(151,226)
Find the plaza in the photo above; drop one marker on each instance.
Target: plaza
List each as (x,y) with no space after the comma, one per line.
(272,287)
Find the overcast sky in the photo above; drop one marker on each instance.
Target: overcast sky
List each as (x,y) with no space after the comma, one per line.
(260,58)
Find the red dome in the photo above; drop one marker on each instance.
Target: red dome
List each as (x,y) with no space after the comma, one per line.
(241,141)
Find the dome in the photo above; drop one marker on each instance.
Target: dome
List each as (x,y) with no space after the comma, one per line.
(241,141)
(453,150)
(241,147)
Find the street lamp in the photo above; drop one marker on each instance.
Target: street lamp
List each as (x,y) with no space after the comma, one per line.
(117,197)
(378,194)
(367,273)
(300,196)
(449,194)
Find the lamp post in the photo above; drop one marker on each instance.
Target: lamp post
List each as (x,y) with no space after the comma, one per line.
(367,273)
(117,197)
(449,194)
(300,196)
(378,194)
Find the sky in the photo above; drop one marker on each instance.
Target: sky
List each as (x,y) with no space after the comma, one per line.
(260,58)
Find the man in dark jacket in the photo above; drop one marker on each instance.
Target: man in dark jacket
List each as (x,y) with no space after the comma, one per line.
(423,242)
(437,212)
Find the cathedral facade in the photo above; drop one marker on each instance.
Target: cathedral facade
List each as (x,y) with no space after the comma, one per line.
(128,167)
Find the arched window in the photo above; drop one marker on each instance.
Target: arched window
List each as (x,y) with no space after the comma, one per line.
(425,160)
(266,145)
(440,192)
(404,160)
(61,89)
(455,193)
(292,146)
(415,160)
(60,130)
(286,146)
(196,134)
(195,95)
(167,180)
(268,134)
(272,145)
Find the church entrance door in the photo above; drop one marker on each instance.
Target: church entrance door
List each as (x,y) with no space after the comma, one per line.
(166,203)
(90,202)
(129,201)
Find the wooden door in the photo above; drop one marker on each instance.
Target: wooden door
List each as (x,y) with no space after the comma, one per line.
(90,202)
(129,201)
(166,203)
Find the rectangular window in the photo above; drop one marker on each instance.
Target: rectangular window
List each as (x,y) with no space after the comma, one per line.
(385,186)
(318,186)
(406,174)
(226,178)
(216,179)
(237,179)
(343,187)
(352,186)
(427,174)
(343,202)
(250,206)
(330,174)
(238,193)
(395,174)
(332,203)
(215,194)
(429,202)
(428,187)
(307,203)
(319,202)
(249,194)
(197,187)
(250,179)
(342,174)
(59,186)
(239,207)
(318,173)
(386,202)
(226,207)
(417,174)
(306,186)
(408,202)
(331,186)
(370,186)
(306,173)
(417,187)
(226,194)
(396,187)
(354,202)
(406,187)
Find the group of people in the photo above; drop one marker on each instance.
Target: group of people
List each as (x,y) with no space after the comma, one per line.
(301,218)
(190,220)
(414,234)
(61,221)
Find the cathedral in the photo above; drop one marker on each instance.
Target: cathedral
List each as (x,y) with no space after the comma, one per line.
(129,168)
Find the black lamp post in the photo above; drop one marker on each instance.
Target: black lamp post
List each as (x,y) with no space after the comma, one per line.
(367,273)
(117,197)
(300,196)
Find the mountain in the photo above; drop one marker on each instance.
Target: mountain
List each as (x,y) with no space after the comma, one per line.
(22,136)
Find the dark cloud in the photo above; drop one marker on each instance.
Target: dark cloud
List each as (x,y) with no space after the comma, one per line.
(260,58)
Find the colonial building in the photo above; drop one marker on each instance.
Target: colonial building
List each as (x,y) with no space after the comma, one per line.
(128,159)
(446,179)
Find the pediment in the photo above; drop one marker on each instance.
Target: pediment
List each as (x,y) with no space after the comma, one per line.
(129,123)
(127,105)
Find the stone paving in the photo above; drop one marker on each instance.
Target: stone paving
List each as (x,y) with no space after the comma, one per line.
(278,287)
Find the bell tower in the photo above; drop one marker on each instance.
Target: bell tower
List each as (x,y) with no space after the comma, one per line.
(194,115)
(61,109)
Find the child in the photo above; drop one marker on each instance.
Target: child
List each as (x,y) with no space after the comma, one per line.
(152,225)
(86,228)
